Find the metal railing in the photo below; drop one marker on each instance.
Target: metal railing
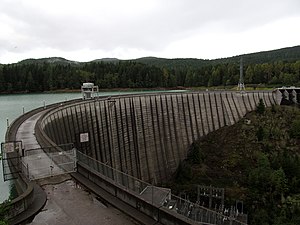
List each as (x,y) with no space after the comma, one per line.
(47,162)
(157,196)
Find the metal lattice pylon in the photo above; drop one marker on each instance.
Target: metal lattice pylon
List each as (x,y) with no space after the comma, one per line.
(241,84)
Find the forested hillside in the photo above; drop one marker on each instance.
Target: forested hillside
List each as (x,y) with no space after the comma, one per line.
(275,68)
(285,54)
(257,161)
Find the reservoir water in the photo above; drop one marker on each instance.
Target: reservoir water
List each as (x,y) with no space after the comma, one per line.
(11,107)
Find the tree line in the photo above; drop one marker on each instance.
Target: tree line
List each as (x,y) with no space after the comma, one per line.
(40,77)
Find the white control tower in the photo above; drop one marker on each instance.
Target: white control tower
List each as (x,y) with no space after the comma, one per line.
(89,91)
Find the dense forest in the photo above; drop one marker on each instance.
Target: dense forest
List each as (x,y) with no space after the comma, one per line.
(273,68)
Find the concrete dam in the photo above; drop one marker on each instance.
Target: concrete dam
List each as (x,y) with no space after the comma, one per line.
(146,136)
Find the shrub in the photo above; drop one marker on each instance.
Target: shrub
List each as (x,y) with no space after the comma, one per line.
(194,154)
(260,133)
(261,108)
(295,129)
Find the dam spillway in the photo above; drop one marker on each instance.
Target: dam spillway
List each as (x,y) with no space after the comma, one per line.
(146,136)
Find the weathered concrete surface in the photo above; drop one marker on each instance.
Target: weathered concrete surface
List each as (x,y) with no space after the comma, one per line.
(66,204)
(147,136)
(37,198)
(69,204)
(26,134)
(38,165)
(127,206)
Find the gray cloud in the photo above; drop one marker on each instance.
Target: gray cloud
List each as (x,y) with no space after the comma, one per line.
(95,25)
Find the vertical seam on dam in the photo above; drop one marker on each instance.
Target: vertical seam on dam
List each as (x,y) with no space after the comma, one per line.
(190,119)
(147,136)
(217,110)
(170,138)
(195,117)
(155,142)
(123,138)
(213,114)
(236,106)
(201,115)
(186,138)
(175,130)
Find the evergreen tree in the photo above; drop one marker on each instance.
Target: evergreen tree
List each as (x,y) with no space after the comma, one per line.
(260,109)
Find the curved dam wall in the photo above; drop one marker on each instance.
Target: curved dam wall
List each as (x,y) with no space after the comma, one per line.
(147,136)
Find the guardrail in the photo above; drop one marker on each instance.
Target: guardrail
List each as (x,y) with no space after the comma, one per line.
(158,197)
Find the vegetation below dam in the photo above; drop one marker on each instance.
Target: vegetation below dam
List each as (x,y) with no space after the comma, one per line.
(256,160)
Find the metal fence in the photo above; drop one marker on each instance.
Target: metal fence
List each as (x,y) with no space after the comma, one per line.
(47,162)
(160,197)
(11,167)
(11,160)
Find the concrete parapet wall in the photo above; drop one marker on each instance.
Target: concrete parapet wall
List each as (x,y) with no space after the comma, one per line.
(158,213)
(21,203)
(147,136)
(24,188)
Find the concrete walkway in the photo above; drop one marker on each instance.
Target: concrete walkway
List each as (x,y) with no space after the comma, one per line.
(140,217)
(67,203)
(26,134)
(38,164)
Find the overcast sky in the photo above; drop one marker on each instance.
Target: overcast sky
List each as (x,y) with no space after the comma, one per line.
(126,29)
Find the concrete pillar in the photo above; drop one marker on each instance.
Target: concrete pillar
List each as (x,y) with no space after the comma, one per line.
(209,119)
(204,114)
(294,96)
(232,108)
(285,95)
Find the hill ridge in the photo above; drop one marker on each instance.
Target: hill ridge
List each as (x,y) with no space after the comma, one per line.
(282,54)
